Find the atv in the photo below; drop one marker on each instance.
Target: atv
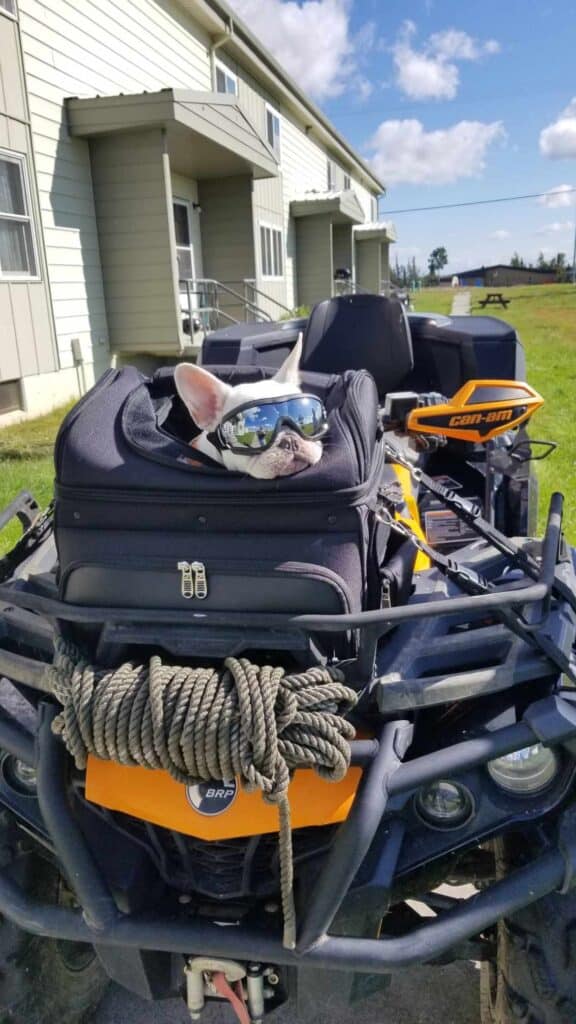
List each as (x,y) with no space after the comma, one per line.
(252,732)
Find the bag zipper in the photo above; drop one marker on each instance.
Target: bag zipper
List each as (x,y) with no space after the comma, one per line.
(341,499)
(223,567)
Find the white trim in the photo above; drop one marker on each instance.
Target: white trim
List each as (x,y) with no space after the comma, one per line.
(187,204)
(278,228)
(330,174)
(269,109)
(21,160)
(219,65)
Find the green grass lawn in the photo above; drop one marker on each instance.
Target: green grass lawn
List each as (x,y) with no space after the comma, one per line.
(433,300)
(545,317)
(26,461)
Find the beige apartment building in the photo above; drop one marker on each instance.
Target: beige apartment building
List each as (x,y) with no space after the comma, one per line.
(160,175)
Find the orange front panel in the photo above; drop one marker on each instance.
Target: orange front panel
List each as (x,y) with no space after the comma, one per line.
(156,797)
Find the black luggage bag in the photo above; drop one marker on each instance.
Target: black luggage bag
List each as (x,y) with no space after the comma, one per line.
(140,524)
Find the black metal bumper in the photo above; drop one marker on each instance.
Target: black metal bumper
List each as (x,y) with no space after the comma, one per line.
(551,720)
(386,776)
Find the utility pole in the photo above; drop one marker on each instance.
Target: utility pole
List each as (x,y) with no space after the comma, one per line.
(574,253)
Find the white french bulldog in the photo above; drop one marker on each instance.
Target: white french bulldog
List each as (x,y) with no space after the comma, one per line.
(210,402)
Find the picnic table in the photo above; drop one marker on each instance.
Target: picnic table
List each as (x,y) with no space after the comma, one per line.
(494,299)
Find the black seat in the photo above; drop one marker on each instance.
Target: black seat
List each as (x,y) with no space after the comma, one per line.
(354,332)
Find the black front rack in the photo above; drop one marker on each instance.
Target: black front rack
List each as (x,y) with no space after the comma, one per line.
(539,615)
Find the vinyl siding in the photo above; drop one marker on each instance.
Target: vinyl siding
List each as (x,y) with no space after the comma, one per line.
(27,344)
(12,92)
(385,264)
(268,202)
(268,205)
(342,246)
(303,169)
(228,234)
(107,47)
(76,48)
(365,199)
(133,209)
(314,244)
(369,264)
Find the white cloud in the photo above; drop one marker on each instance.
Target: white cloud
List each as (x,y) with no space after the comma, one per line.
(452,44)
(402,151)
(431,72)
(561,195)
(558,140)
(419,75)
(500,234)
(557,227)
(312,40)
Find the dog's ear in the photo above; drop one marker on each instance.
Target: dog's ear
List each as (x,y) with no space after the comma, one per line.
(289,372)
(202,393)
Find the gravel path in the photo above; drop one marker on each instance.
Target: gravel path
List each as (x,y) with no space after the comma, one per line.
(461,304)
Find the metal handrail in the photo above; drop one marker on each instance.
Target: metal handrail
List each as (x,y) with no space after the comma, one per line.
(269,298)
(219,313)
(211,284)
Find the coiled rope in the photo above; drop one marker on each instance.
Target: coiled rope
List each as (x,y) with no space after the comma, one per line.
(243,721)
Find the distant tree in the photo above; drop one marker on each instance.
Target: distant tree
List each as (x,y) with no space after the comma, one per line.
(437,259)
(405,275)
(414,272)
(517,261)
(557,265)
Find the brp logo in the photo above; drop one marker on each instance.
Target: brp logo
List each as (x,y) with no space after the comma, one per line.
(212,798)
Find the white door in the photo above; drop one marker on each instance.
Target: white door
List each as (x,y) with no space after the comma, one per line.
(182,212)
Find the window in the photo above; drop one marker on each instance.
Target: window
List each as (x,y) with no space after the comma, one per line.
(226,80)
(10,396)
(184,252)
(9,6)
(271,247)
(330,176)
(17,249)
(273,129)
(347,181)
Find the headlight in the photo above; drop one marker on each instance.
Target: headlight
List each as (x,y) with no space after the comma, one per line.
(527,771)
(444,804)
(20,775)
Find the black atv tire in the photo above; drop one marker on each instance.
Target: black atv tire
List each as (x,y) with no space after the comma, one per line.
(46,981)
(534,978)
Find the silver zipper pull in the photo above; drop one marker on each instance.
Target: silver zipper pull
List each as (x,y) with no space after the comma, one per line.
(187,582)
(200,580)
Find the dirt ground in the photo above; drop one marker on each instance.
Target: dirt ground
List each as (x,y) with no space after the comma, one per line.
(425,995)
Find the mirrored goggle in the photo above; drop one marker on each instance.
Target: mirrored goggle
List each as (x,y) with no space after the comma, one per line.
(255,427)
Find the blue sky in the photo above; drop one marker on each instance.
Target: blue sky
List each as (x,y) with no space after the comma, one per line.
(450,102)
